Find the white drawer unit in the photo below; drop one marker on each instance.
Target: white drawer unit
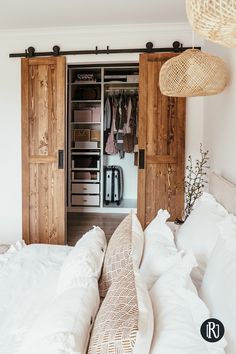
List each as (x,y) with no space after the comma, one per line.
(85,176)
(85,200)
(85,188)
(83,167)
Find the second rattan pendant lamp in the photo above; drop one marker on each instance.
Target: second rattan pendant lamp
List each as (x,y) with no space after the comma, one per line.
(193,73)
(215,20)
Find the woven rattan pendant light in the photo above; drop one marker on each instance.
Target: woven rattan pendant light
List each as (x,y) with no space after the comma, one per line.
(193,73)
(214,20)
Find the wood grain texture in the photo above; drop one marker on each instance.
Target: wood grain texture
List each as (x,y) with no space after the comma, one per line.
(25,148)
(43,134)
(142,128)
(80,223)
(162,136)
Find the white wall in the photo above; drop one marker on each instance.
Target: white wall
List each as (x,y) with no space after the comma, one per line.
(220,119)
(68,39)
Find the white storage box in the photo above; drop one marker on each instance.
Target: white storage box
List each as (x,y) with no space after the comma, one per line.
(133,78)
(86,145)
(83,115)
(85,188)
(85,176)
(85,200)
(97,166)
(96,116)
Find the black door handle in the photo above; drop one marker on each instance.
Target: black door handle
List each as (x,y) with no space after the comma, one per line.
(60,159)
(141,163)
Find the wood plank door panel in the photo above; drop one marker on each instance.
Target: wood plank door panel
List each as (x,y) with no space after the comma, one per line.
(162,137)
(43,135)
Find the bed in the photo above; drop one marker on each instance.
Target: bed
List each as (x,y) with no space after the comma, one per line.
(27,282)
(95,298)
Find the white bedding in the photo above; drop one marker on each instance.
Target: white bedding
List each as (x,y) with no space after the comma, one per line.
(31,273)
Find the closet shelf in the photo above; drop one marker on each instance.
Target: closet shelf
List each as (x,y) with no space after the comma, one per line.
(86,123)
(85,181)
(85,169)
(125,203)
(83,195)
(73,148)
(86,83)
(86,101)
(121,83)
(93,153)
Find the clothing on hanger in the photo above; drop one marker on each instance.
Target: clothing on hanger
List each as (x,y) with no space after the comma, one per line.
(111,147)
(127,129)
(120,108)
(107,114)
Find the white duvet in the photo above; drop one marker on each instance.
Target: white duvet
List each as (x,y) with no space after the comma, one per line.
(28,282)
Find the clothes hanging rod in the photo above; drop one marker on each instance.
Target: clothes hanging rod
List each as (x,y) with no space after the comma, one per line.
(177,47)
(121,89)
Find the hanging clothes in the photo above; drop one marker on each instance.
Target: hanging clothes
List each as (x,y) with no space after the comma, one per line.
(121,114)
(107,115)
(122,110)
(121,118)
(128,137)
(127,129)
(111,148)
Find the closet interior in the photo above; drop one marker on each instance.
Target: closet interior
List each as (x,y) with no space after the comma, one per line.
(102,138)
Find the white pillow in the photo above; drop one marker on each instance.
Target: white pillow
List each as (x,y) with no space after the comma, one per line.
(160,252)
(84,261)
(199,233)
(137,235)
(64,326)
(179,313)
(146,320)
(158,225)
(218,288)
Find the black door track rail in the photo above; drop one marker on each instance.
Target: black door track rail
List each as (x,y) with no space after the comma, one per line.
(177,47)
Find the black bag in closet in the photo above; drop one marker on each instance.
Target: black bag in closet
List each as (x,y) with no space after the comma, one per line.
(88,93)
(113,184)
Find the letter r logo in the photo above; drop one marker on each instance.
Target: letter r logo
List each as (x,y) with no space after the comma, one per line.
(212,330)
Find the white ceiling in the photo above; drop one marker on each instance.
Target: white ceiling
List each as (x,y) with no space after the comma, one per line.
(16,14)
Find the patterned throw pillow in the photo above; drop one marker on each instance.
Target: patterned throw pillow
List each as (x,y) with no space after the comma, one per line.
(125,246)
(124,323)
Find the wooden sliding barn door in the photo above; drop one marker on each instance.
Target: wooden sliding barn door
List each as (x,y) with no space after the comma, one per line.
(161,144)
(43,146)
